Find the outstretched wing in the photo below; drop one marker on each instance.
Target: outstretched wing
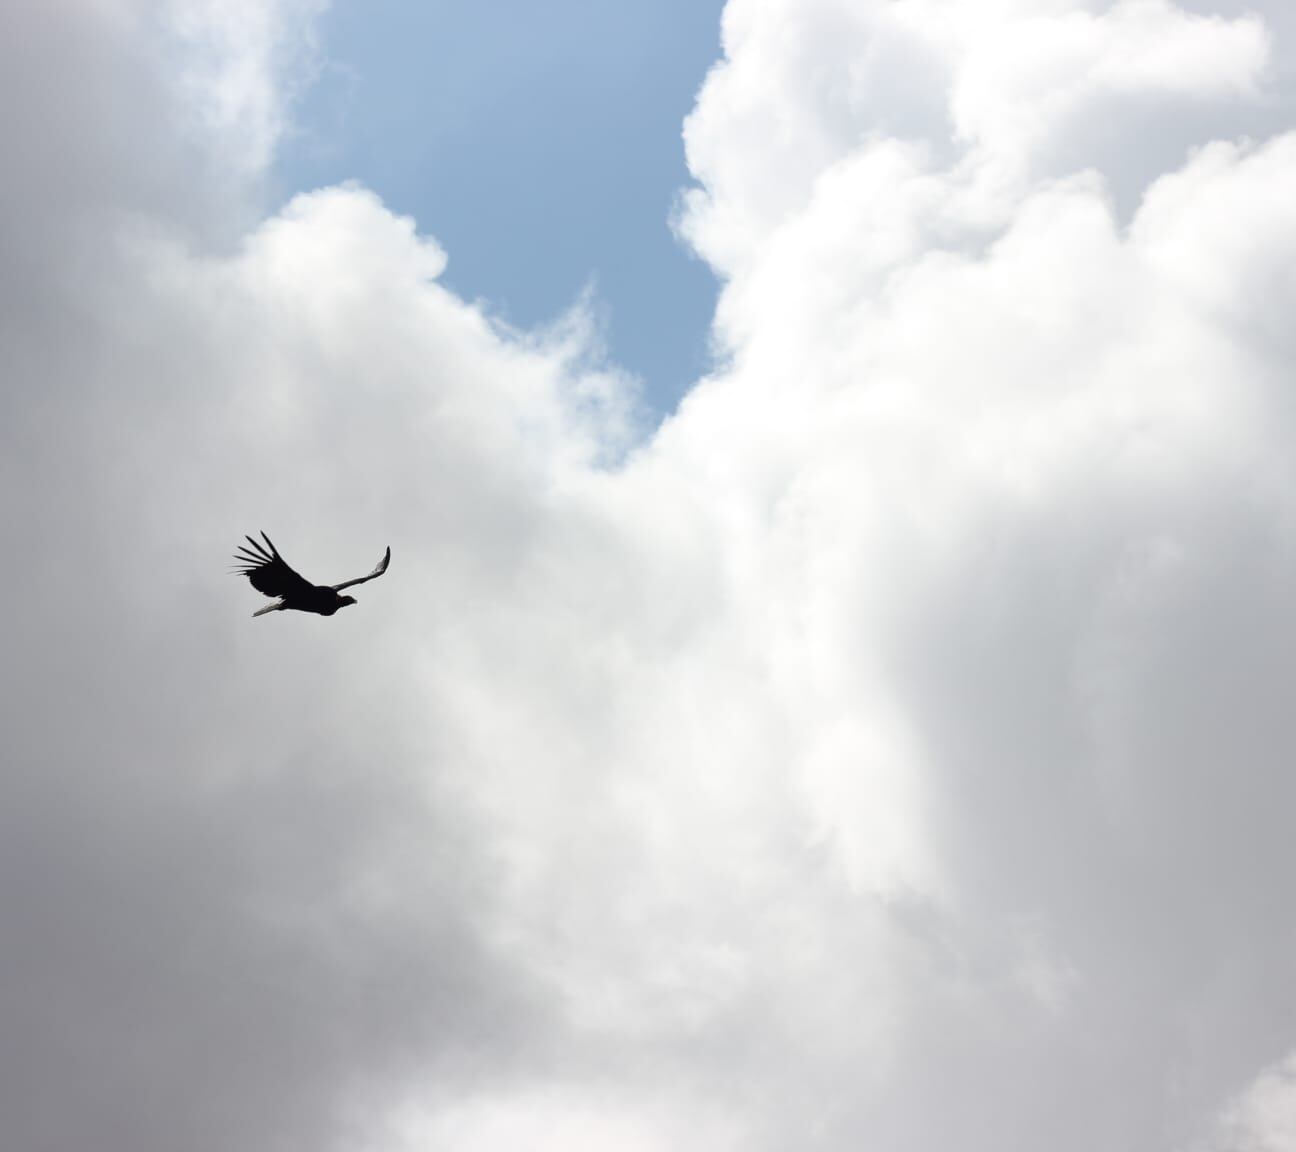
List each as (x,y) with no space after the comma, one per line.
(382,567)
(267,570)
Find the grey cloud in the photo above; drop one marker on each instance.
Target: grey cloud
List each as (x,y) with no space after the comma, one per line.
(887,752)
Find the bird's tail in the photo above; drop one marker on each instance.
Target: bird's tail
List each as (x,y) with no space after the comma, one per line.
(268,608)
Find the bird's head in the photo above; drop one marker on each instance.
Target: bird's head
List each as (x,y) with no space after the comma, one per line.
(343,601)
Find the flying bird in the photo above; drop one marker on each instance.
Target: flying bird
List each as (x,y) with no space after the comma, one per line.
(271,576)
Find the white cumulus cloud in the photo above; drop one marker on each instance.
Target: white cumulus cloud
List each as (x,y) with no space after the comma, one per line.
(890,750)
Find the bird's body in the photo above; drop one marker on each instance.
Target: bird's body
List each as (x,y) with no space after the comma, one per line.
(321,600)
(271,576)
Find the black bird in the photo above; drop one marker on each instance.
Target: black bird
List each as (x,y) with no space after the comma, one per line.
(271,576)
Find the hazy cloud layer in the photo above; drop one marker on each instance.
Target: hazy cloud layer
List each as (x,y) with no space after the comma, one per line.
(891,750)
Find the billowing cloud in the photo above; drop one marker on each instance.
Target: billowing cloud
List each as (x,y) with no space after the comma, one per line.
(1263,1118)
(889,750)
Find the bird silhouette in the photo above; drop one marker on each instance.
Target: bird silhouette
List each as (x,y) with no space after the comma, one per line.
(271,576)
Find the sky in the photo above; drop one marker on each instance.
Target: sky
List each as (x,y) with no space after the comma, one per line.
(543,141)
(886,745)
